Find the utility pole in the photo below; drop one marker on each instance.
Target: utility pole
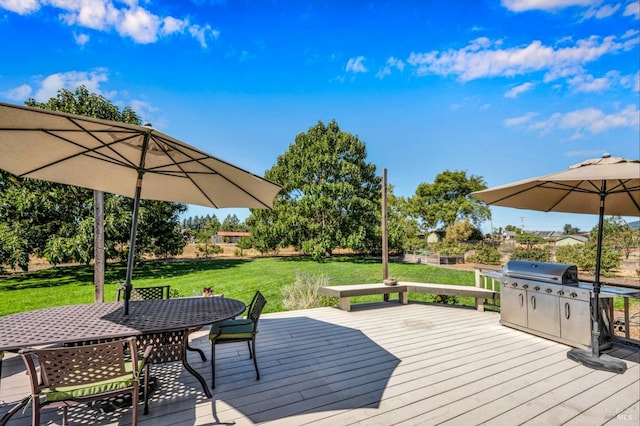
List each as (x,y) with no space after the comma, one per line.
(385,238)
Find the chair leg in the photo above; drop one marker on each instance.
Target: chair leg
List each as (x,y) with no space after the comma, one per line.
(134,404)
(146,389)
(213,364)
(250,351)
(255,359)
(35,412)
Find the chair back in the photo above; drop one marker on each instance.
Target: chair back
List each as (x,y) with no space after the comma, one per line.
(255,308)
(80,365)
(147,293)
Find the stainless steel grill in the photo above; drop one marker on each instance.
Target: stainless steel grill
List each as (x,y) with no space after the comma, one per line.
(548,300)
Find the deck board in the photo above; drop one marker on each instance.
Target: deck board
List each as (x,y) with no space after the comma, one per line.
(380,364)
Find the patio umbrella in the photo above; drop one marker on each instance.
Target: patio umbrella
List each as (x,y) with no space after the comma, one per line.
(139,162)
(603,186)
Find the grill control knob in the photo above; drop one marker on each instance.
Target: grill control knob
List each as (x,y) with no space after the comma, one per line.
(525,286)
(536,288)
(561,293)
(514,284)
(548,290)
(574,295)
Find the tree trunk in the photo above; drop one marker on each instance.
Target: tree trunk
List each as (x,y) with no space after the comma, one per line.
(98,246)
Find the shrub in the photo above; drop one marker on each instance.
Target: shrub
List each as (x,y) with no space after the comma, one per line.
(585,257)
(535,254)
(450,249)
(445,299)
(305,294)
(486,255)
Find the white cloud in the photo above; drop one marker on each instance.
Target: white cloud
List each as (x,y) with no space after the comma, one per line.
(81,39)
(524,5)
(127,17)
(632,9)
(20,93)
(22,7)
(200,33)
(517,121)
(514,92)
(172,25)
(590,120)
(355,65)
(483,58)
(391,64)
(139,24)
(587,83)
(143,109)
(601,12)
(70,80)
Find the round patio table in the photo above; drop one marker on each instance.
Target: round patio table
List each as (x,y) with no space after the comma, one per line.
(164,323)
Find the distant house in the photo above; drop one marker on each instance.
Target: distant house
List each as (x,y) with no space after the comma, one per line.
(571,240)
(231,236)
(547,235)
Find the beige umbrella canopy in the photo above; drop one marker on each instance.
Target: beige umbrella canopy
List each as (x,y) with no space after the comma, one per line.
(575,190)
(606,185)
(135,161)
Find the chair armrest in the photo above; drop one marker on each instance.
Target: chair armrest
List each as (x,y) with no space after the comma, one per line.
(147,353)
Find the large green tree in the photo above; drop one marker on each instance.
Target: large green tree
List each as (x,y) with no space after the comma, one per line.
(448,200)
(330,196)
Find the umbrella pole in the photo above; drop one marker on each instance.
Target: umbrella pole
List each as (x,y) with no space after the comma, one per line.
(132,244)
(593,358)
(134,223)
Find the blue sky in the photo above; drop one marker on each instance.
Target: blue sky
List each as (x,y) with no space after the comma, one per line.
(505,89)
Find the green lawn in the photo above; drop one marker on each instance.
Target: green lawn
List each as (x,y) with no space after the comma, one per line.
(236,278)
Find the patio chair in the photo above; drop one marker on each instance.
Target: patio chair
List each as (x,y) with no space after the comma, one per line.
(147,293)
(238,330)
(65,376)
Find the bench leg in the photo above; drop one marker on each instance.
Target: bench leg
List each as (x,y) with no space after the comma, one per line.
(345,304)
(480,304)
(403,297)
(385,297)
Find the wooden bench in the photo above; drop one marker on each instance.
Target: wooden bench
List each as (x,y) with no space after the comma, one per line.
(345,292)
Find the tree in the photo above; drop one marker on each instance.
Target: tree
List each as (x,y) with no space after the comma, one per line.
(401,227)
(233,224)
(330,196)
(459,232)
(159,228)
(617,234)
(448,200)
(569,229)
(204,234)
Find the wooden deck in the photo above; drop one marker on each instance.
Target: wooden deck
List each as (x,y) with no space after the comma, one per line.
(380,364)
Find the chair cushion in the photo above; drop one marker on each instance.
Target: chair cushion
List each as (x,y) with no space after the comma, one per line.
(83,391)
(87,390)
(232,329)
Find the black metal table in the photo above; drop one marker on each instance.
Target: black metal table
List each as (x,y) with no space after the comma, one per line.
(165,323)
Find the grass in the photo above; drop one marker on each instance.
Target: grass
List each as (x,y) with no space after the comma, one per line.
(236,278)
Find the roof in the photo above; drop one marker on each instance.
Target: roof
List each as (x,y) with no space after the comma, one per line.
(233,234)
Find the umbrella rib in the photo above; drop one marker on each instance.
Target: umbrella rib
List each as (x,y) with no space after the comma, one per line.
(628,191)
(177,147)
(86,151)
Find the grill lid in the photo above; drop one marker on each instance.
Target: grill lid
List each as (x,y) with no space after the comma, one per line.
(558,273)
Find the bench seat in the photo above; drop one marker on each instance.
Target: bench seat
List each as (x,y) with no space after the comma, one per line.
(345,292)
